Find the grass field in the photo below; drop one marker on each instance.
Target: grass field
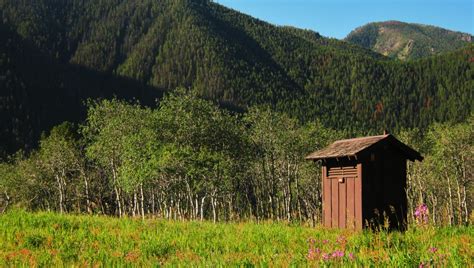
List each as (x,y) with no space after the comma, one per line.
(48,239)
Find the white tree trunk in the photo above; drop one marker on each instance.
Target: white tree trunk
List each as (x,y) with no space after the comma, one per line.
(214,212)
(88,202)
(202,207)
(142,201)
(61,197)
(117,192)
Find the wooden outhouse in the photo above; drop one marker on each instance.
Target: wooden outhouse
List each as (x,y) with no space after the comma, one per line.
(364,182)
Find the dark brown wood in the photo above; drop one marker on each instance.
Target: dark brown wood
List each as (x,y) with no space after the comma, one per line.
(351,203)
(358,198)
(342,204)
(334,202)
(354,147)
(364,181)
(342,172)
(339,193)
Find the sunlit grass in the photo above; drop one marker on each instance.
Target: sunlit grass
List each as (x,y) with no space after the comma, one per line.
(49,239)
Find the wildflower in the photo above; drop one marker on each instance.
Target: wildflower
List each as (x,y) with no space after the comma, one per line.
(433,249)
(325,241)
(338,254)
(310,254)
(351,255)
(341,239)
(326,256)
(313,253)
(421,214)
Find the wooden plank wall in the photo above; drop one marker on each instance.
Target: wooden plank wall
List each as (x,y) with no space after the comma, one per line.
(342,198)
(358,198)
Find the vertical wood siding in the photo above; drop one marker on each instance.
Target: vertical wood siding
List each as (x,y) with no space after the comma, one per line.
(342,196)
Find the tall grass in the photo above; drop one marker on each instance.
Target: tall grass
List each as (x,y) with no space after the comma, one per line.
(49,239)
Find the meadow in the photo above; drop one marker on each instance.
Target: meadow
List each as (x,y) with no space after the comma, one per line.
(51,239)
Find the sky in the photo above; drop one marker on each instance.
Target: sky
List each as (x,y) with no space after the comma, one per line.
(336,18)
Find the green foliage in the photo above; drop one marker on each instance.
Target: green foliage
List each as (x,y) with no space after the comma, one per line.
(189,159)
(134,50)
(107,122)
(444,180)
(34,241)
(122,138)
(59,151)
(279,171)
(59,157)
(7,180)
(48,239)
(189,156)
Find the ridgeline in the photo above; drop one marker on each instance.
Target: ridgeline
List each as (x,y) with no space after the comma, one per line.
(58,54)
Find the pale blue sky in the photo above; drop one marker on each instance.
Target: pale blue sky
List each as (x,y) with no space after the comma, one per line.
(336,18)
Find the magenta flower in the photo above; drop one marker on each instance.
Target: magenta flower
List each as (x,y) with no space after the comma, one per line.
(421,214)
(338,254)
(433,249)
(351,255)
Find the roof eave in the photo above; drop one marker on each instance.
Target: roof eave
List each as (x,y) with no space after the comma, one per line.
(329,157)
(410,153)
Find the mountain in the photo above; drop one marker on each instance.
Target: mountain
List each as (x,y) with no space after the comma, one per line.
(58,54)
(406,41)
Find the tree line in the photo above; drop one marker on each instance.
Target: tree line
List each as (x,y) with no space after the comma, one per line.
(190,159)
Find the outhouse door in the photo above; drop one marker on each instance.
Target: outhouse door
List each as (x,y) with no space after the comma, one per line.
(342,204)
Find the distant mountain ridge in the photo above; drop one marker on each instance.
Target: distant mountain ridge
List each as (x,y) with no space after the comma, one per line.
(58,54)
(407,41)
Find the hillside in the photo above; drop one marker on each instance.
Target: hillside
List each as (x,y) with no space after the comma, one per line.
(406,41)
(59,54)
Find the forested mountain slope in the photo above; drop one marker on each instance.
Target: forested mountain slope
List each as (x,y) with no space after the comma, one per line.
(57,54)
(38,92)
(407,40)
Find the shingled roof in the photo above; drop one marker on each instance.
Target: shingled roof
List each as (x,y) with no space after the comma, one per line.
(353,147)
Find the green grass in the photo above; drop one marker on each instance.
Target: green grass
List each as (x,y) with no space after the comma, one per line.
(49,239)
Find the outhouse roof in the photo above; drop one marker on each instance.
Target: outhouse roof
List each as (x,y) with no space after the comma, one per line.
(353,147)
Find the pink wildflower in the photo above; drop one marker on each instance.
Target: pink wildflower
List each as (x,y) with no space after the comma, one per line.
(341,239)
(338,254)
(326,256)
(421,214)
(310,254)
